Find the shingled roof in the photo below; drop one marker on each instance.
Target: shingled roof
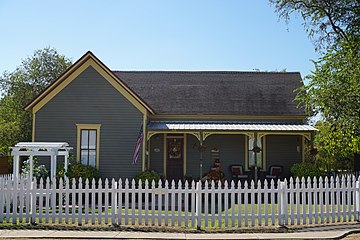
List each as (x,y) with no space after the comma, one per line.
(216,93)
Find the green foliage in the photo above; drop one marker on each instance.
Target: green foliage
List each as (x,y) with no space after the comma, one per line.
(327,22)
(17,88)
(333,91)
(39,171)
(306,170)
(77,170)
(148,175)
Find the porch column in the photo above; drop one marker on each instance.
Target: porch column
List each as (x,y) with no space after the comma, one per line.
(31,173)
(255,157)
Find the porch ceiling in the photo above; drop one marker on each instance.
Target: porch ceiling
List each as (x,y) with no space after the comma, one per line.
(227,126)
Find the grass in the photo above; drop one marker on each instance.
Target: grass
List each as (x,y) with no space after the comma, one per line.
(184,220)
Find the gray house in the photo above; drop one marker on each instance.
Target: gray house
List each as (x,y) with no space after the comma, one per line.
(189,120)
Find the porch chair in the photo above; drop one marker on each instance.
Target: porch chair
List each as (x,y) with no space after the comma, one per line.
(237,172)
(275,172)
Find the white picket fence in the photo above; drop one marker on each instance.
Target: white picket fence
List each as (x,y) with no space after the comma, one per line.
(298,202)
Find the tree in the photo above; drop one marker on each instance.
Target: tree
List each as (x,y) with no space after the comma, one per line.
(327,22)
(333,91)
(22,85)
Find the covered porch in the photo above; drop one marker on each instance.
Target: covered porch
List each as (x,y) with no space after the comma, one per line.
(183,150)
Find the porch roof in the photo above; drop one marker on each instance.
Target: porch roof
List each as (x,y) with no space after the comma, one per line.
(228,126)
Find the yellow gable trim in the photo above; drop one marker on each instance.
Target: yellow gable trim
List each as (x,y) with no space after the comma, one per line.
(77,69)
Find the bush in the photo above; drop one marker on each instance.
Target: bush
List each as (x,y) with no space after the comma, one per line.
(39,171)
(148,175)
(306,170)
(78,170)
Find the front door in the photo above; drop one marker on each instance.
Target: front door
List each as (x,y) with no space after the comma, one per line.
(175,158)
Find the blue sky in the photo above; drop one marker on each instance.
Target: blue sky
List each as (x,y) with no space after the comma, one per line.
(157,35)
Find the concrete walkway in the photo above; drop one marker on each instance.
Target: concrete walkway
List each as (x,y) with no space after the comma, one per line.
(330,232)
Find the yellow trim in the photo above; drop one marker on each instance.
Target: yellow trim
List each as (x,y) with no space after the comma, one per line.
(264,153)
(144,142)
(151,133)
(207,134)
(74,71)
(304,134)
(78,143)
(165,151)
(185,155)
(33,127)
(215,117)
(149,152)
(246,161)
(303,149)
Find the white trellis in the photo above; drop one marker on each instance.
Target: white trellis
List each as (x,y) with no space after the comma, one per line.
(31,149)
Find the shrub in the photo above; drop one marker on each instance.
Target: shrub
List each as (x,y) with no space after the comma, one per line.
(148,175)
(306,170)
(78,170)
(39,171)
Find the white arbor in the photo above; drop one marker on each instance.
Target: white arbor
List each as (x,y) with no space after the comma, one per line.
(31,149)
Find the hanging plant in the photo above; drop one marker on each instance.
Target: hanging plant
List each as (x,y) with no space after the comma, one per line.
(256,149)
(202,148)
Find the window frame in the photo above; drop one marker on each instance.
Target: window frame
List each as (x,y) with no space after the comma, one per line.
(89,127)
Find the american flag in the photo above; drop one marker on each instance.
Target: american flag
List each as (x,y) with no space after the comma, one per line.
(138,145)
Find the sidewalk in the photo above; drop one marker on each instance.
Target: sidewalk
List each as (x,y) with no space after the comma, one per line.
(330,232)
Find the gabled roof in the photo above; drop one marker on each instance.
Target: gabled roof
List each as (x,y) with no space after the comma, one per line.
(192,92)
(88,59)
(216,92)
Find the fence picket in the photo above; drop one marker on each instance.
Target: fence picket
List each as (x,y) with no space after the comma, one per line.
(332,198)
(252,199)
(60,214)
(239,209)
(106,192)
(152,203)
(166,209)
(310,200)
(173,198)
(343,198)
(67,203)
(246,203)
(146,190)
(232,203)
(140,201)
(120,201)
(212,193)
(327,203)
(93,206)
(303,200)
(266,203)
(133,201)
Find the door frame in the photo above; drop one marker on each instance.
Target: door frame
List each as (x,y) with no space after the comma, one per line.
(183,136)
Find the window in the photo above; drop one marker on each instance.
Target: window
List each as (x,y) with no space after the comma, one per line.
(88,147)
(256,155)
(88,141)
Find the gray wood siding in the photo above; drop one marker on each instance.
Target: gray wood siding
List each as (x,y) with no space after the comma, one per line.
(282,150)
(90,99)
(231,148)
(157,158)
